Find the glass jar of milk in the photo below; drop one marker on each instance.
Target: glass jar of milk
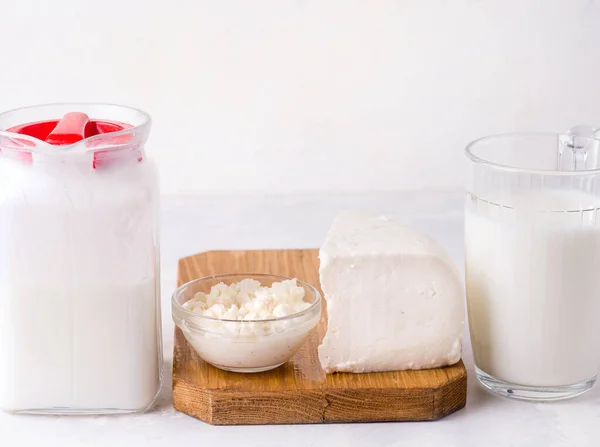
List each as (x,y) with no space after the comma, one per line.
(532,235)
(79,261)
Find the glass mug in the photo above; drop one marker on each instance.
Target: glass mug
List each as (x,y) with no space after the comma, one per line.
(532,253)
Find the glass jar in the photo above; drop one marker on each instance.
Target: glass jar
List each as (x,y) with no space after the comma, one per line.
(532,244)
(79,261)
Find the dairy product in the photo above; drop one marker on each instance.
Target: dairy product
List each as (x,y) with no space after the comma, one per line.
(78,288)
(79,309)
(70,357)
(249,350)
(533,287)
(394,298)
(247,327)
(248,300)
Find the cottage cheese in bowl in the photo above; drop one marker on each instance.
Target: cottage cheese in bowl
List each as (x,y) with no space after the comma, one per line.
(246,323)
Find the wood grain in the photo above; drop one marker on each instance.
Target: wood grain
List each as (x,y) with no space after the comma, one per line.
(299,391)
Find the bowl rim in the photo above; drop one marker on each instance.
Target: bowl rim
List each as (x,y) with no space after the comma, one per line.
(176,305)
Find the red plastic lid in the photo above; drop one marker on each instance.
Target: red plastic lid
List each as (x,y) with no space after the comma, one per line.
(73,127)
(70,129)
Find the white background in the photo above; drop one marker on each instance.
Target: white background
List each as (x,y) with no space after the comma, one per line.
(300,95)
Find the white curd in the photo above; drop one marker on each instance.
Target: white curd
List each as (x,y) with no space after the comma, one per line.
(248,327)
(248,300)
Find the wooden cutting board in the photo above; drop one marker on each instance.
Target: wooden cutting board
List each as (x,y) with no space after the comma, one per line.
(299,392)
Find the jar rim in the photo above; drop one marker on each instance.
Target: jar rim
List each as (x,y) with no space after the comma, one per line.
(469,153)
(41,112)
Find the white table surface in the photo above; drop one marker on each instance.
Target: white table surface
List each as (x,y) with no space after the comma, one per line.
(195,224)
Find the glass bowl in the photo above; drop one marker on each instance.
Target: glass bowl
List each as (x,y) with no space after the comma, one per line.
(244,345)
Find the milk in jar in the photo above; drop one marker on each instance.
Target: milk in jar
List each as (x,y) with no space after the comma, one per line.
(533,288)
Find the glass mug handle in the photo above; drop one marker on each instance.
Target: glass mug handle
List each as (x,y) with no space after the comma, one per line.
(579,148)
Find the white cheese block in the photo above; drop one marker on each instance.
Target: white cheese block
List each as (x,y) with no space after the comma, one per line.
(394,298)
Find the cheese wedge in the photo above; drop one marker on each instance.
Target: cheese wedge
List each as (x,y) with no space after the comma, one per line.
(395,299)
